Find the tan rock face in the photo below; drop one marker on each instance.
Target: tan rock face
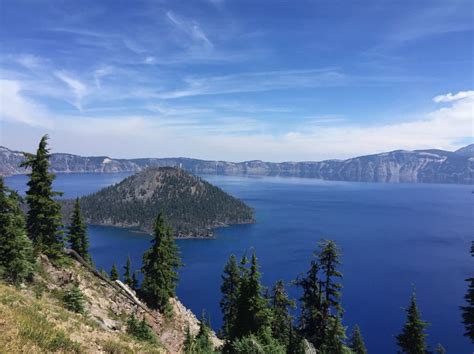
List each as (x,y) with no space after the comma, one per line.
(111,304)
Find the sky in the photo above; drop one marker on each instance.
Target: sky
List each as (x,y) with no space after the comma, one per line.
(236,79)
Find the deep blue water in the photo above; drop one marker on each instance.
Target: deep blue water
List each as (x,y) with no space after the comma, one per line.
(394,237)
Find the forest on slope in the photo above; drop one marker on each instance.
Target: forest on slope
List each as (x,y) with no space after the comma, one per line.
(192,206)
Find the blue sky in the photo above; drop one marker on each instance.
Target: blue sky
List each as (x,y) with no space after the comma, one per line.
(237,80)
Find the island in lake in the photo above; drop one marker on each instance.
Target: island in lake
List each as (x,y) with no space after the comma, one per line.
(192,206)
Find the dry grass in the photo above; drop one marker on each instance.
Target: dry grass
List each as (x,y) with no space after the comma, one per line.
(36,325)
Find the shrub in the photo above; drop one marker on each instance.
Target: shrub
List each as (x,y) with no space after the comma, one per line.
(140,330)
(74,300)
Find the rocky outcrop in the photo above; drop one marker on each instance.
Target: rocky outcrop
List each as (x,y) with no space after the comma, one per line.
(110,305)
(419,166)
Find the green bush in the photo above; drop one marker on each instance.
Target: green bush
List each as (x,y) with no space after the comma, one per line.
(74,300)
(140,330)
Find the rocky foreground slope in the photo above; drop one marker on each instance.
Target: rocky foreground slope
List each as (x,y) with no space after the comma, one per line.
(33,319)
(418,166)
(191,206)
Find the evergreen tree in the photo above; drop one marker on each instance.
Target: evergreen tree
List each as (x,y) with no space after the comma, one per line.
(77,233)
(74,299)
(114,273)
(203,341)
(189,342)
(440,349)
(468,309)
(44,221)
(126,275)
(336,335)
(252,312)
(321,310)
(134,281)
(412,338)
(356,342)
(140,330)
(16,259)
(311,312)
(281,318)
(160,264)
(230,294)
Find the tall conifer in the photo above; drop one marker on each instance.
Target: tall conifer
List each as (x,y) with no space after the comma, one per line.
(44,221)
(230,294)
(77,233)
(412,340)
(281,318)
(114,275)
(321,310)
(356,342)
(126,275)
(252,311)
(160,264)
(16,258)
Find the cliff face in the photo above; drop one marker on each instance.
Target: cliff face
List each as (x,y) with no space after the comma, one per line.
(419,166)
(34,319)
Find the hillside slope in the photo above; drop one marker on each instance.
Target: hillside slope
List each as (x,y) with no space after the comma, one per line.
(190,205)
(418,166)
(34,319)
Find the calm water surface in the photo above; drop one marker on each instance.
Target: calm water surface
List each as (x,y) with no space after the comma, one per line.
(394,237)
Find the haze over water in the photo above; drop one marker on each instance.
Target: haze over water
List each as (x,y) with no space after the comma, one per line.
(393,237)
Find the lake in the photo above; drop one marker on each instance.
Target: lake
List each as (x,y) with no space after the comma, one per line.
(394,237)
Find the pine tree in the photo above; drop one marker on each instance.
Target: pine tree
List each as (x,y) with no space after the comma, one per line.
(74,299)
(16,258)
(440,349)
(230,294)
(77,233)
(126,275)
(203,341)
(252,311)
(160,264)
(412,338)
(189,342)
(280,305)
(336,335)
(310,319)
(44,221)
(356,342)
(134,284)
(468,310)
(114,273)
(321,310)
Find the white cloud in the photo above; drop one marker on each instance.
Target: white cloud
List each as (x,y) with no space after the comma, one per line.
(29,61)
(449,97)
(78,89)
(100,73)
(16,108)
(191,28)
(174,132)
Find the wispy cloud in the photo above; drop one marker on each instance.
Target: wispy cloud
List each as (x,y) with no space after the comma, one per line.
(79,90)
(175,132)
(29,61)
(190,28)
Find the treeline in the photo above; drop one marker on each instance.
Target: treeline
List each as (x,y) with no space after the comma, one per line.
(255,319)
(192,206)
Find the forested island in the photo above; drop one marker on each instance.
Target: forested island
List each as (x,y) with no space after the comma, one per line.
(193,207)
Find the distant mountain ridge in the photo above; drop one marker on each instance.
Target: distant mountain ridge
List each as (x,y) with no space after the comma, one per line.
(192,206)
(418,166)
